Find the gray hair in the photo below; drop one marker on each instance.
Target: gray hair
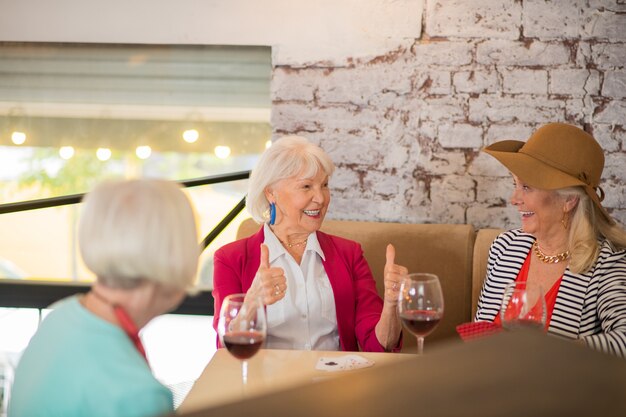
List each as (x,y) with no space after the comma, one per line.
(139,230)
(287,157)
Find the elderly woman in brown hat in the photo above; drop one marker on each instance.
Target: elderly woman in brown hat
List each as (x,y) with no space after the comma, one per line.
(568,246)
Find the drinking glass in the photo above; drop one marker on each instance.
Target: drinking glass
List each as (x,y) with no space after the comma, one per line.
(242,328)
(523,306)
(420,305)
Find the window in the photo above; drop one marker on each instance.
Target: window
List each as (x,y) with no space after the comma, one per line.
(72,115)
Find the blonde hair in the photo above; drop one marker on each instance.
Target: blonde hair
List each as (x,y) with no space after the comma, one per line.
(286,158)
(139,230)
(587,225)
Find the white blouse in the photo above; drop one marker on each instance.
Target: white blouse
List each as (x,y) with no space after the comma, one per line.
(305,318)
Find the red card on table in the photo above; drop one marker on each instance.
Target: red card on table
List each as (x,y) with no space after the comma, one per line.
(478,329)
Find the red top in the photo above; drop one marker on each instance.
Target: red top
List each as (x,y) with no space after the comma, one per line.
(357,302)
(550,297)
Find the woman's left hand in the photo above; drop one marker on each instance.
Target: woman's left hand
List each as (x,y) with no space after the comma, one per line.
(392,277)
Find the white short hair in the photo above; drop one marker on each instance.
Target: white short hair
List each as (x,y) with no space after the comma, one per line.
(139,230)
(287,157)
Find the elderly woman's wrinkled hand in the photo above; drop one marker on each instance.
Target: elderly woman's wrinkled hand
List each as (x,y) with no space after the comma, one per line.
(393,276)
(269,283)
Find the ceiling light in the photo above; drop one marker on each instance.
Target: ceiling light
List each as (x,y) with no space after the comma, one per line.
(191,135)
(103,154)
(18,138)
(143,152)
(222,152)
(66,152)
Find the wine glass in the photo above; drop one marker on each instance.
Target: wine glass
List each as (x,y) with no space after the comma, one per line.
(420,305)
(523,306)
(242,327)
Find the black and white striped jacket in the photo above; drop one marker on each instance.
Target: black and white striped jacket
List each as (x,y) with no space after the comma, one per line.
(589,306)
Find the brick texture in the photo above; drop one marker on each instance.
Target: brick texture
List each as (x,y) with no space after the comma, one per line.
(405,128)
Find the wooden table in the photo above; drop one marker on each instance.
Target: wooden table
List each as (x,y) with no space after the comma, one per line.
(510,374)
(270,370)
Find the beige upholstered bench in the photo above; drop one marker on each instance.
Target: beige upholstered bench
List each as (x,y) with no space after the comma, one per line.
(446,250)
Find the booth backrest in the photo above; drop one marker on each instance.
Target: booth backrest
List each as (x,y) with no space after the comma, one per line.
(443,249)
(484,238)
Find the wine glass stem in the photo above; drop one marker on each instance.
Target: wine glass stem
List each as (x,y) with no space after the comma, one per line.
(244,372)
(420,345)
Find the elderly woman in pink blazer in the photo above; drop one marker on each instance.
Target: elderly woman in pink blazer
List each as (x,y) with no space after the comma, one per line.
(318,289)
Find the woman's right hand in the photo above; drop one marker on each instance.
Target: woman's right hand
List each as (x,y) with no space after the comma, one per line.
(269,283)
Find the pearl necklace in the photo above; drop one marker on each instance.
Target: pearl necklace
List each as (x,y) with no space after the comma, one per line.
(549,259)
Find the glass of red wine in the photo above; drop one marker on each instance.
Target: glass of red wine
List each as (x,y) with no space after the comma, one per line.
(242,327)
(420,305)
(523,306)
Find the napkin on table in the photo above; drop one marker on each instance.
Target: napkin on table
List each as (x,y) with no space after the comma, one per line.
(342,363)
(477,330)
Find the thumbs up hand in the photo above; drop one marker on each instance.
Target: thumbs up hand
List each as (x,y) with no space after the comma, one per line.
(392,276)
(265,257)
(269,283)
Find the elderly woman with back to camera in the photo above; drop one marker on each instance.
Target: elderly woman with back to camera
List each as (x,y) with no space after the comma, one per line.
(568,245)
(318,289)
(139,238)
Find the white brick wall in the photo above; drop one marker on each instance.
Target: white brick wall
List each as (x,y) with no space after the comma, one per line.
(446,163)
(553,19)
(522,53)
(611,138)
(453,189)
(524,81)
(405,128)
(609,55)
(496,108)
(497,132)
(442,53)
(473,19)
(574,82)
(606,24)
(614,84)
(610,112)
(460,135)
(472,81)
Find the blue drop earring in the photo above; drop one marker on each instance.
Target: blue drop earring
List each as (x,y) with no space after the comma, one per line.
(272,213)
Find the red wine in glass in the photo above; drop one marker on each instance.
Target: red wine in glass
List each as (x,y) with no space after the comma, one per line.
(420,305)
(242,328)
(243,345)
(420,322)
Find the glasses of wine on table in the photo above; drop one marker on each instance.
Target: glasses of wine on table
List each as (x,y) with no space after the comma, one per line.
(242,328)
(420,305)
(523,306)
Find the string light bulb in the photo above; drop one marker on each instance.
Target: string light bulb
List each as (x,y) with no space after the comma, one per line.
(222,152)
(190,135)
(103,154)
(66,152)
(18,138)
(143,152)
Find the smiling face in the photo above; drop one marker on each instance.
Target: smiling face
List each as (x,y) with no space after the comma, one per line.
(541,210)
(301,203)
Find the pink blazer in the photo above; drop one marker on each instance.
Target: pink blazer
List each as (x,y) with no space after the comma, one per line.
(357,302)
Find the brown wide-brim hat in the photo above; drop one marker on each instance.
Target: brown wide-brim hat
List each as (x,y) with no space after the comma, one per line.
(556,156)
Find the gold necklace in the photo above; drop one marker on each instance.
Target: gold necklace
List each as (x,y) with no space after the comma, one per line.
(549,259)
(294,244)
